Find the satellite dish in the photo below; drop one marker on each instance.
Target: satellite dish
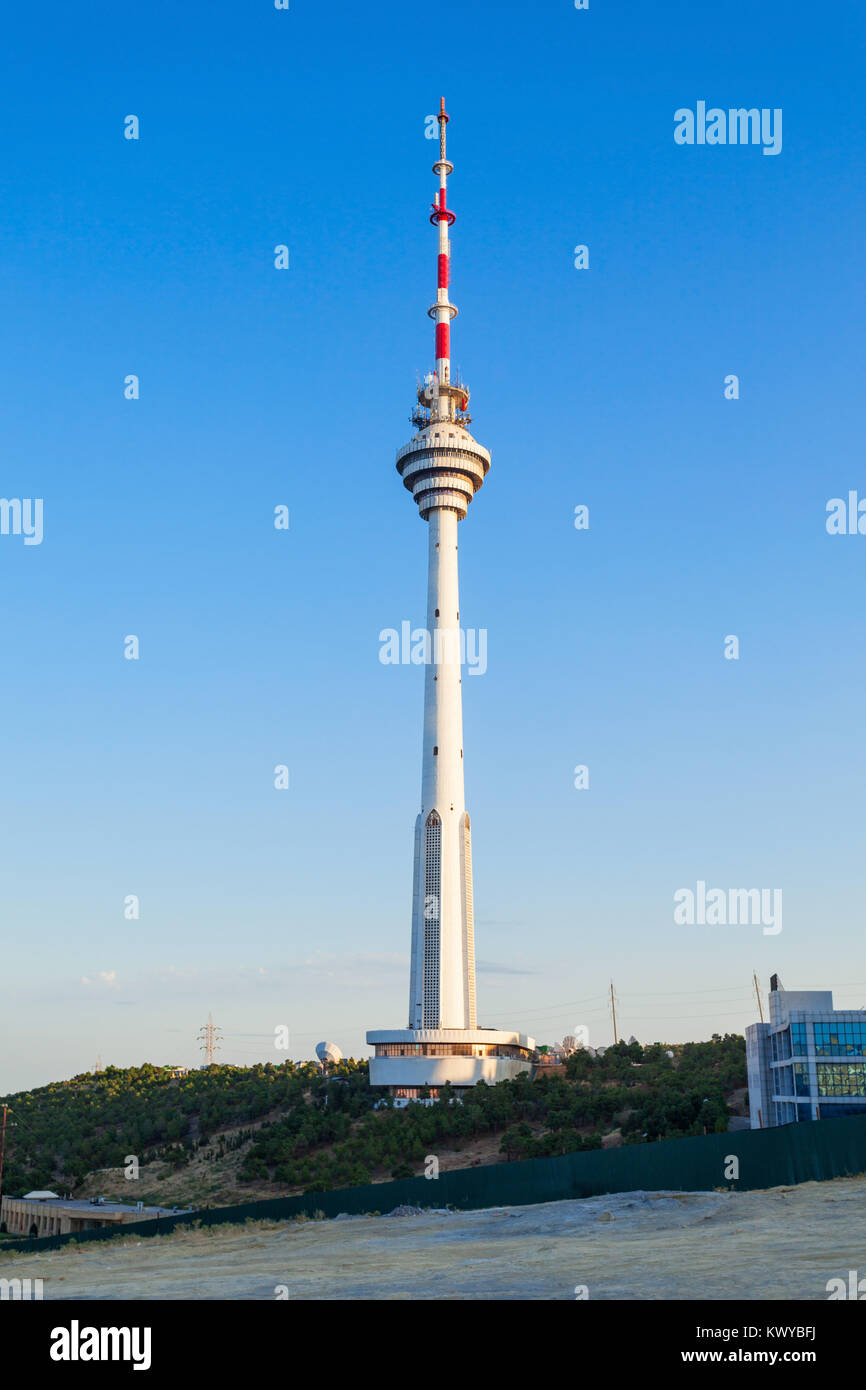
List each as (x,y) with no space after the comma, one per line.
(328,1053)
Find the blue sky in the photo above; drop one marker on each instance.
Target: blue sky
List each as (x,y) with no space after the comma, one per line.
(260,387)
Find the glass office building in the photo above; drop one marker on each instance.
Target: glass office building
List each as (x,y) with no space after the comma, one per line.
(808,1062)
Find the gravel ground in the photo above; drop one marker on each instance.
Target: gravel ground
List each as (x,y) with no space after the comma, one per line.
(784,1243)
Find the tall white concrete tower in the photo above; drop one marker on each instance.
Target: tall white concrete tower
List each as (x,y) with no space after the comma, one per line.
(443,467)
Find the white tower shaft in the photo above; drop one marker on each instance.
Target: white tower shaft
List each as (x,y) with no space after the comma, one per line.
(442,977)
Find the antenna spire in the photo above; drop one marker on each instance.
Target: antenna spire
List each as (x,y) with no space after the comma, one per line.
(443,311)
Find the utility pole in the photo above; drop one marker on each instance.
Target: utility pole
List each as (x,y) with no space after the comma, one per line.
(613,1011)
(210,1036)
(2,1144)
(758,992)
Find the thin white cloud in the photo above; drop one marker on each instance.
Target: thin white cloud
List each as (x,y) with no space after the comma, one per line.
(103,977)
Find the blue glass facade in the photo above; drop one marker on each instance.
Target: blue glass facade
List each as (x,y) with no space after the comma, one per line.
(840,1039)
(808,1062)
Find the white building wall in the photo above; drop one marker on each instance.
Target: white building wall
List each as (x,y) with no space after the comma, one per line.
(758,1074)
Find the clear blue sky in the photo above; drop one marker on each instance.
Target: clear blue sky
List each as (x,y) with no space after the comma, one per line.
(261,387)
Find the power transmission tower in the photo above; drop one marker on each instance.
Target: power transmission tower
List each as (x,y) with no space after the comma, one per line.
(210,1037)
(613,1011)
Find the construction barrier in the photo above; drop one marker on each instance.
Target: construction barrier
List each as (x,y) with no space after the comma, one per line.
(789,1154)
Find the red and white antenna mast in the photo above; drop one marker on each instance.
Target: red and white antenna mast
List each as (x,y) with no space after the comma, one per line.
(443,311)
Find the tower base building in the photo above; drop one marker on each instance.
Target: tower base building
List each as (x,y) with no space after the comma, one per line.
(443,466)
(408,1060)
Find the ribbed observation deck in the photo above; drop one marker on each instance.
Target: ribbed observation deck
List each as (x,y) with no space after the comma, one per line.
(443,466)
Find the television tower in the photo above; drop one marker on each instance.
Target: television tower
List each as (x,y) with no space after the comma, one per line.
(443,467)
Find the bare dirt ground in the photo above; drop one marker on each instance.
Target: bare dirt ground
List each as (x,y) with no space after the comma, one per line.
(781,1244)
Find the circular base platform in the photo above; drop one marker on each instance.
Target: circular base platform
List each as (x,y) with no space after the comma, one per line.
(407,1059)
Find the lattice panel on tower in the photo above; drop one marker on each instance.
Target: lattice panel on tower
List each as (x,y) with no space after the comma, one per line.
(432,909)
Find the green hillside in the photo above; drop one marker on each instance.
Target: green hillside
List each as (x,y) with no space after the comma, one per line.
(276,1128)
